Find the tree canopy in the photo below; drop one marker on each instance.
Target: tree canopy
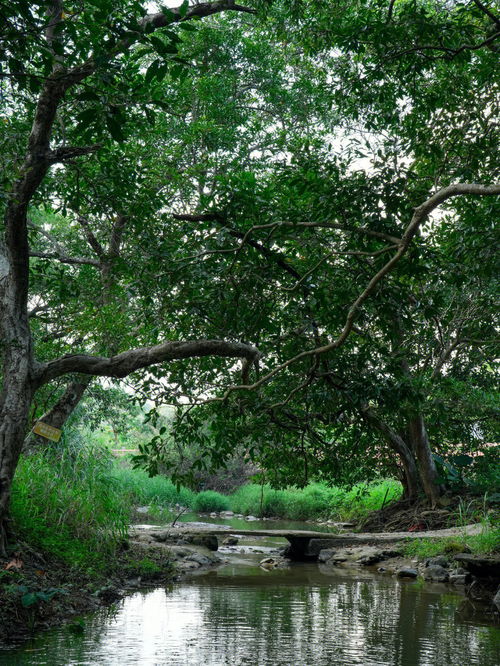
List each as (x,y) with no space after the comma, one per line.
(308,187)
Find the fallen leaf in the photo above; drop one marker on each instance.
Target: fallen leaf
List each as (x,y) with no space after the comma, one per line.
(15,563)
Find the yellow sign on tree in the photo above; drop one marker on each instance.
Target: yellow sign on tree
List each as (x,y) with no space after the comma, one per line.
(47,431)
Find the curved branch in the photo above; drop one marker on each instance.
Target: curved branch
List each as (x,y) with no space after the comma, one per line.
(127,362)
(419,216)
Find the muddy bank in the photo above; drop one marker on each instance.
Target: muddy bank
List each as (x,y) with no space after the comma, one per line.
(38,592)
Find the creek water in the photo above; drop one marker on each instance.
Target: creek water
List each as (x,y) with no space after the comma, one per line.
(304,615)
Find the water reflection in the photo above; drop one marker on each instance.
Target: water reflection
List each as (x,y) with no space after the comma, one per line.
(301,616)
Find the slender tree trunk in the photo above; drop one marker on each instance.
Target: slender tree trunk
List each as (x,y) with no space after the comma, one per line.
(60,412)
(427,467)
(399,446)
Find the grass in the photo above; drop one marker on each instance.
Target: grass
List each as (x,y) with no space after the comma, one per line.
(209,500)
(68,504)
(157,490)
(315,501)
(488,542)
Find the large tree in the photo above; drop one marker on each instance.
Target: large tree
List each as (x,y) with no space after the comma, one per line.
(78,79)
(54,56)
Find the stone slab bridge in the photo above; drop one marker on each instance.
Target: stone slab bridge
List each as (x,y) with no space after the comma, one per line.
(304,544)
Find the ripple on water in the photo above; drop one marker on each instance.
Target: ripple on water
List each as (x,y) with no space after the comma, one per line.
(285,617)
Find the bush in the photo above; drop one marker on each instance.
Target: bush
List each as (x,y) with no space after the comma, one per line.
(209,500)
(316,500)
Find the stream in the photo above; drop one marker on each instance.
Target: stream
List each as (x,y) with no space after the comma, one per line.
(303,615)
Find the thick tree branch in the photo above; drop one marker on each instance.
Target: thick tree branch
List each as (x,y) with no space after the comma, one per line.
(127,362)
(91,239)
(390,10)
(161,19)
(115,240)
(70,152)
(488,12)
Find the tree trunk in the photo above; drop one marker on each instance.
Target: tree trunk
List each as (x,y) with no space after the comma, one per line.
(427,467)
(60,412)
(399,446)
(14,411)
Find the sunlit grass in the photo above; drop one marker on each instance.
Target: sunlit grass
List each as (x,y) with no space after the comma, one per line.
(68,503)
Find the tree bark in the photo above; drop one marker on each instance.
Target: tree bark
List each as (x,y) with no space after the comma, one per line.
(60,412)
(399,446)
(422,450)
(15,402)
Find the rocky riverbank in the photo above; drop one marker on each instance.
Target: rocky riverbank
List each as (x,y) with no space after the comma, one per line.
(36,593)
(477,576)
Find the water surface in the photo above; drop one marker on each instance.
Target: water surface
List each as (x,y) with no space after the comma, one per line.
(303,616)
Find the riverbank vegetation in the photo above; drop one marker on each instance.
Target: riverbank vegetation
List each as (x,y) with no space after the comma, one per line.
(82,513)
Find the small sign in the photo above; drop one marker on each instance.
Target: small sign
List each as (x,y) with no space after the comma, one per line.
(47,431)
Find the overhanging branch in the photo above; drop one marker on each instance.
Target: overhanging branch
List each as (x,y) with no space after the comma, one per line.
(127,362)
(419,216)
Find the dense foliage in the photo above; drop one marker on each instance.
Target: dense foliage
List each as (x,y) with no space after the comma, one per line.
(313,180)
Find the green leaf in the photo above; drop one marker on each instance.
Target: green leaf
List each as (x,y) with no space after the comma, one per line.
(114,127)
(29,599)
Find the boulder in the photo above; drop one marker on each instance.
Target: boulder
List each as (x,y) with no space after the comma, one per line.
(161,537)
(371,555)
(484,566)
(439,561)
(202,560)
(251,518)
(436,573)
(337,558)
(315,546)
(226,514)
(407,572)
(188,565)
(496,600)
(269,563)
(458,579)
(325,555)
(230,541)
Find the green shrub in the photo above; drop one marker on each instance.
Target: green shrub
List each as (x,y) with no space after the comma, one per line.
(315,501)
(209,500)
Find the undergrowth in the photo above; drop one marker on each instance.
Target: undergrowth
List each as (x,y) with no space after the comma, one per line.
(140,488)
(67,503)
(315,501)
